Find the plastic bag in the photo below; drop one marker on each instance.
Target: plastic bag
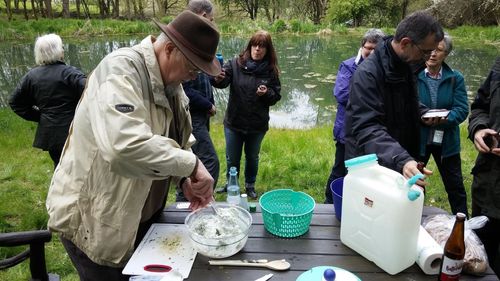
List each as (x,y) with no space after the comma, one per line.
(475,260)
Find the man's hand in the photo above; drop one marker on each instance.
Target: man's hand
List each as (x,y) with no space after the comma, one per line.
(487,134)
(212,110)
(196,202)
(410,169)
(198,188)
(221,76)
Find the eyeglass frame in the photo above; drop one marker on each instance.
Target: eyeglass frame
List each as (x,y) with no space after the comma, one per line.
(425,53)
(192,69)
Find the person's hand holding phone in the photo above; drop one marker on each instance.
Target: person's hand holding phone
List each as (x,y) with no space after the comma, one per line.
(261,90)
(487,140)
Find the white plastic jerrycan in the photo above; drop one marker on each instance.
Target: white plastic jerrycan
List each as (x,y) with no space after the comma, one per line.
(381,213)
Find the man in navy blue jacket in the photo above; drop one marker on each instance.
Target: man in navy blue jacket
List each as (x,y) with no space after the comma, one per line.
(202,106)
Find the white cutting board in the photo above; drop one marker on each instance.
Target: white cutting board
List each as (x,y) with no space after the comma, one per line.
(163,244)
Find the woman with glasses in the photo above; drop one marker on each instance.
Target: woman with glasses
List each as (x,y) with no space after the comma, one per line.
(255,86)
(441,87)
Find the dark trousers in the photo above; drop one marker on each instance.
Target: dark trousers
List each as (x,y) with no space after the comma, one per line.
(55,154)
(203,148)
(91,271)
(450,169)
(338,170)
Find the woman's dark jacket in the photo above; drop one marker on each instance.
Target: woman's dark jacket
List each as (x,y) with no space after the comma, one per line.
(383,114)
(246,112)
(485,112)
(49,94)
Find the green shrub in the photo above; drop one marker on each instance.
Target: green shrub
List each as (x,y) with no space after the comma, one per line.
(167,19)
(279,26)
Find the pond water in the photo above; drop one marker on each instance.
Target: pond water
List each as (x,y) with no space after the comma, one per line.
(308,69)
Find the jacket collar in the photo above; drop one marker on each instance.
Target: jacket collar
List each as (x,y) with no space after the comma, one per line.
(394,67)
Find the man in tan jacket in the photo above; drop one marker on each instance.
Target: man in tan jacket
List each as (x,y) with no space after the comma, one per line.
(131,138)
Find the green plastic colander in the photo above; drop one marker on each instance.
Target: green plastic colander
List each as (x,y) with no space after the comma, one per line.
(286,213)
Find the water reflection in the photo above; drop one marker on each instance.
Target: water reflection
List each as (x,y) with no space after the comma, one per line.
(308,70)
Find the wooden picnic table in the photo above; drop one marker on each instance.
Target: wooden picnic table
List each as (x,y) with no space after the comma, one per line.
(320,246)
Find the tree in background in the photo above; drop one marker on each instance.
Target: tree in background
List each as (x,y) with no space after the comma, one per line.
(466,12)
(341,11)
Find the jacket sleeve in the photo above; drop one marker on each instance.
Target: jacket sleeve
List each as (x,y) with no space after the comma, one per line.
(196,99)
(273,91)
(119,115)
(22,101)
(480,108)
(368,127)
(460,107)
(341,89)
(77,79)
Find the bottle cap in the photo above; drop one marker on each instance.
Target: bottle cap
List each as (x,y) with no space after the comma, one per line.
(252,207)
(244,195)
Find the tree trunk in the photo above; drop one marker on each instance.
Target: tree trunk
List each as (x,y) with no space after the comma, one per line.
(141,9)
(77,2)
(8,10)
(25,11)
(116,8)
(127,6)
(48,6)
(16,6)
(34,8)
(404,8)
(86,9)
(65,8)
(136,10)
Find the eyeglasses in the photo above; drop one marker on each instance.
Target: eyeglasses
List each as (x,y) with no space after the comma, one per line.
(425,53)
(369,48)
(192,70)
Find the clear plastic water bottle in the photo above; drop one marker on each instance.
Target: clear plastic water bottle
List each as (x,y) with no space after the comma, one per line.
(244,201)
(233,189)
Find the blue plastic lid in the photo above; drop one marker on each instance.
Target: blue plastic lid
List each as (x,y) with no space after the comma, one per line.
(232,171)
(329,274)
(361,160)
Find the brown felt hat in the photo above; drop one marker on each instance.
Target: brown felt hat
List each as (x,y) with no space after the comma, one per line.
(197,38)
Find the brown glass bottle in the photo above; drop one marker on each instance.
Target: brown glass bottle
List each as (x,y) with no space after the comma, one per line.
(454,252)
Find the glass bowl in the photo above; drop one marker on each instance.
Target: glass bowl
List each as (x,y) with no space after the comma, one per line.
(219,235)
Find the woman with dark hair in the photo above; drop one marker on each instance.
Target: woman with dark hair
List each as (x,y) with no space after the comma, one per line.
(255,86)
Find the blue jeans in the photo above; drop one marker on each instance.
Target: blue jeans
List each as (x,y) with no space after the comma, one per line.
(234,146)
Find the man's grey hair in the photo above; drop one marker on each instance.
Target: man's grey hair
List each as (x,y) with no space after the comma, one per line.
(48,49)
(373,35)
(418,26)
(200,6)
(162,38)
(448,43)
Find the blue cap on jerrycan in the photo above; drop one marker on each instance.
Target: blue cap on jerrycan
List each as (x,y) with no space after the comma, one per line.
(361,160)
(413,194)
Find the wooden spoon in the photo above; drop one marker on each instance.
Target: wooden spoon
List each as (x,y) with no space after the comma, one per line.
(275,265)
